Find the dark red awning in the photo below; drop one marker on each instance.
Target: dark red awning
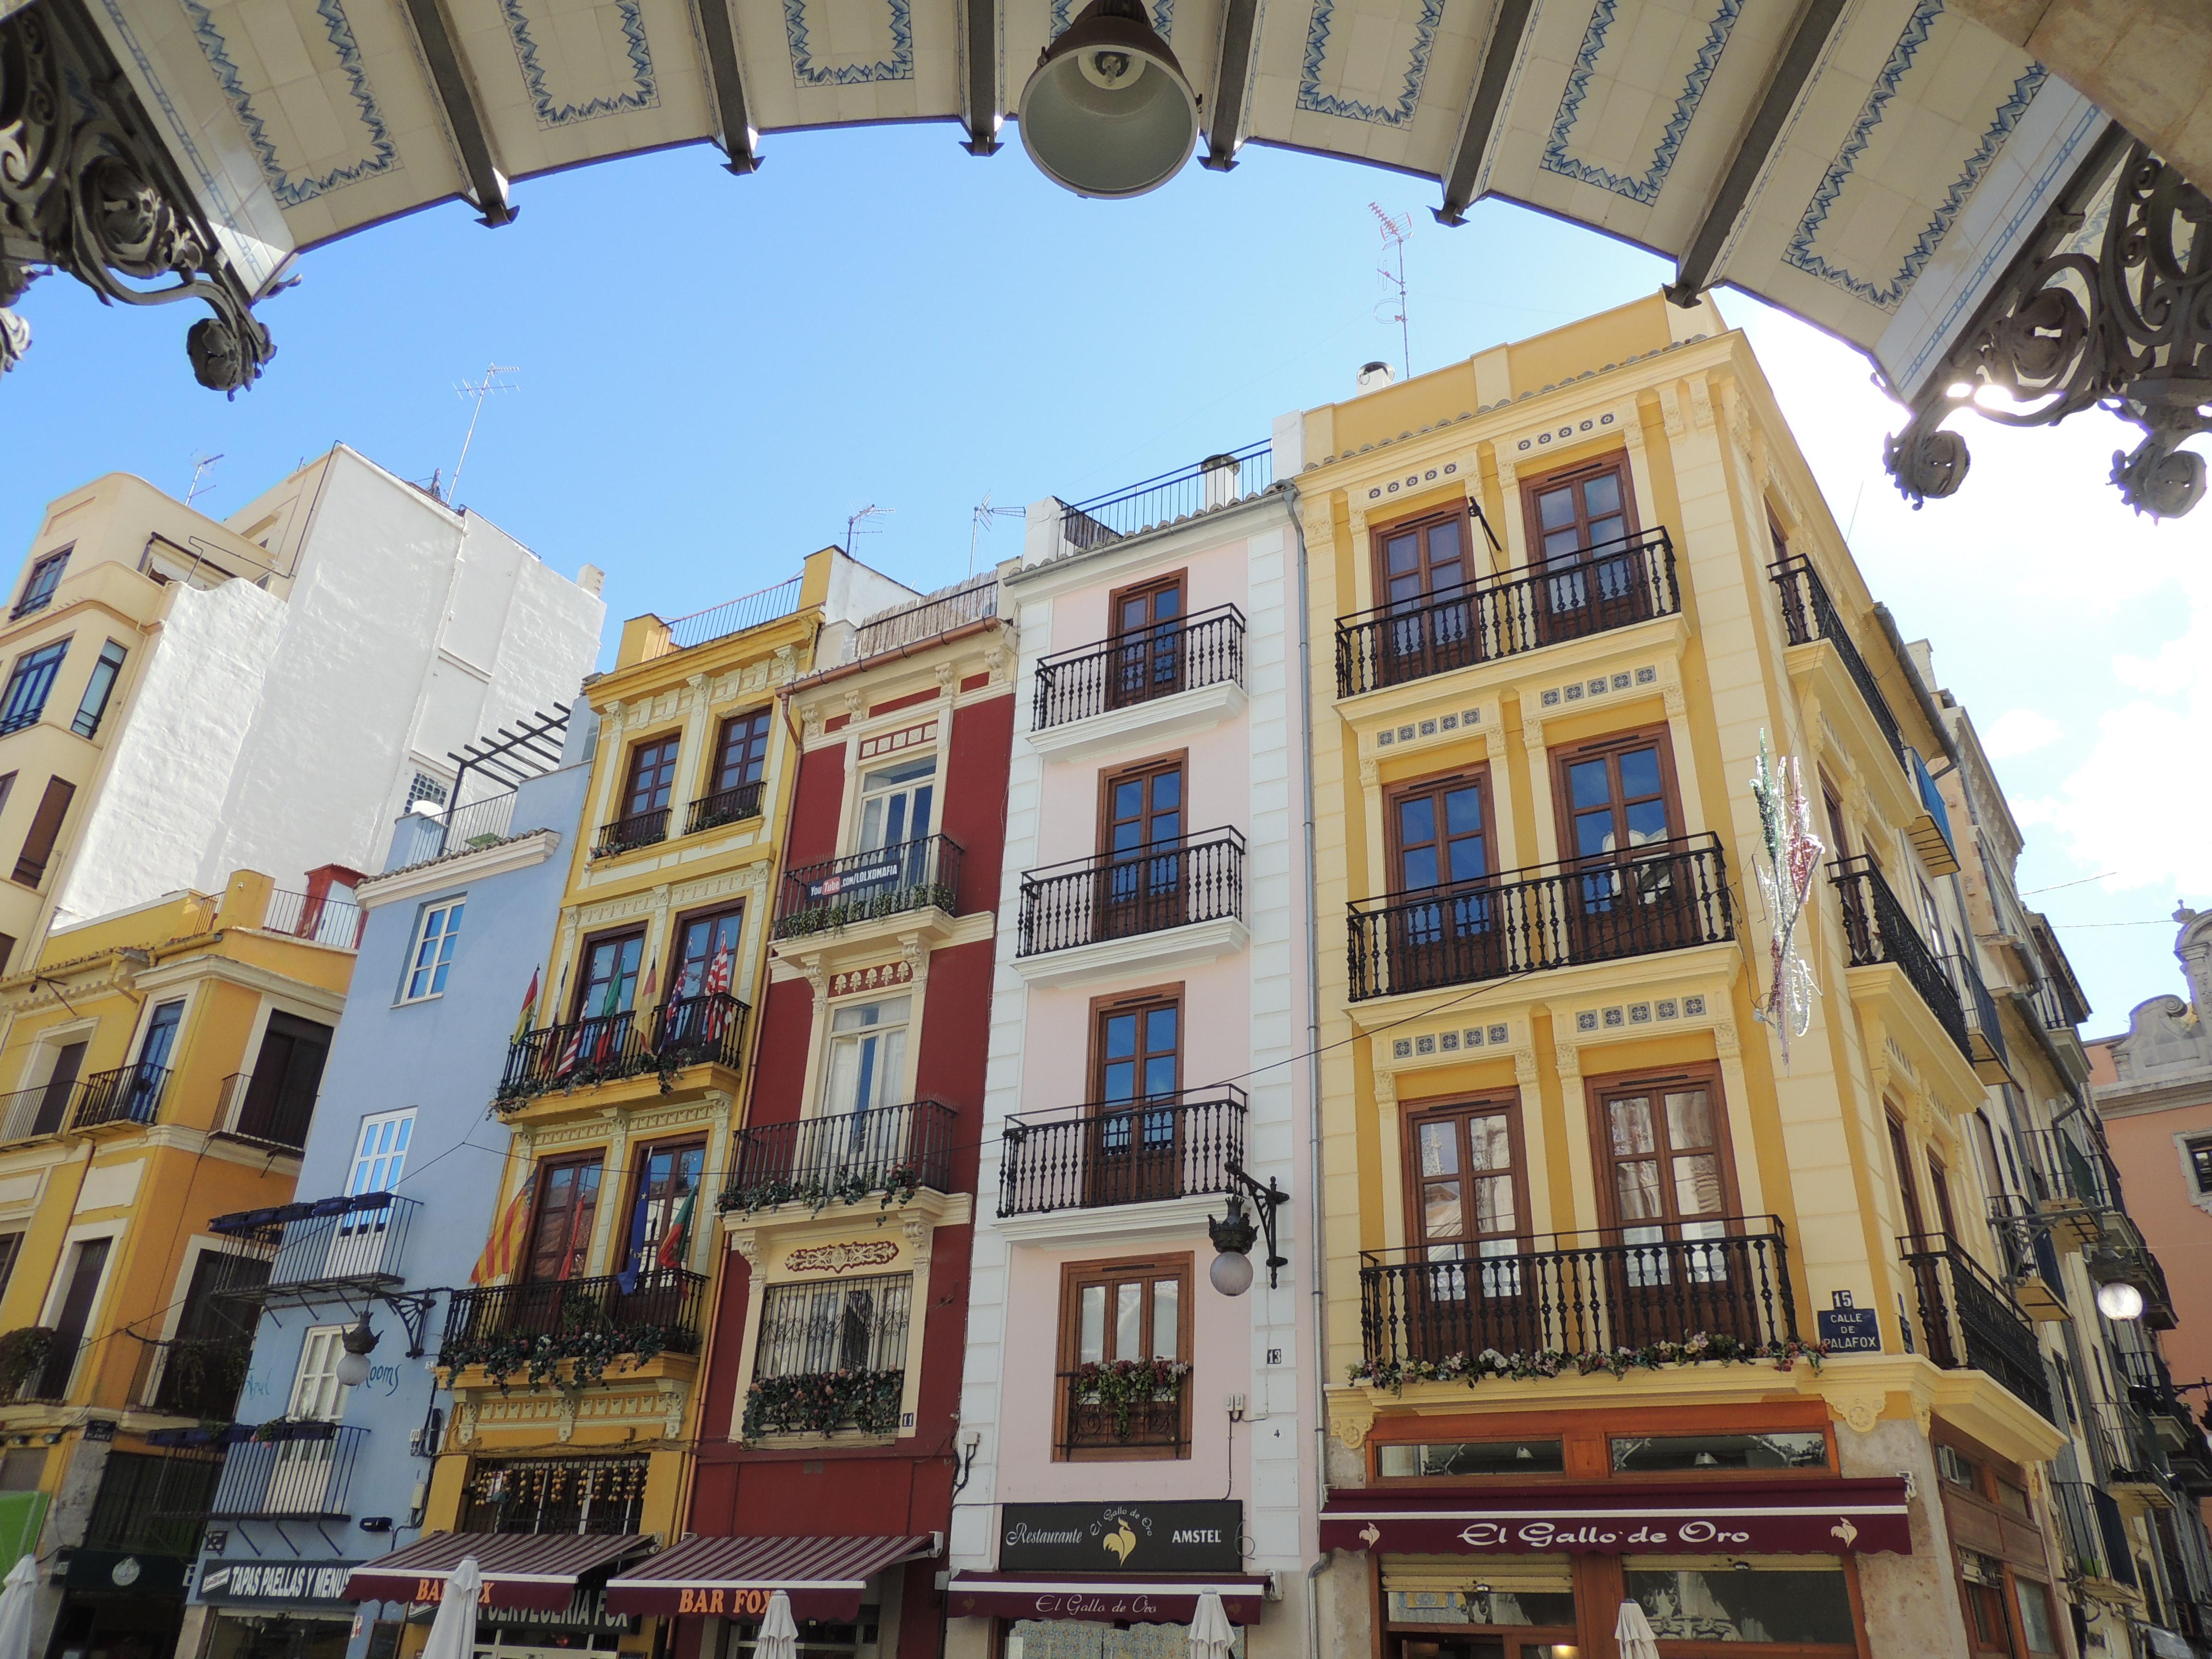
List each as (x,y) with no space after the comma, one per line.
(537,1570)
(734,1577)
(1165,1598)
(1724,1517)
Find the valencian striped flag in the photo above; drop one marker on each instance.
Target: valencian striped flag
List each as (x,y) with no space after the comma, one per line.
(504,1248)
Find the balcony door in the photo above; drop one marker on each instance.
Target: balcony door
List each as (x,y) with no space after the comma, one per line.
(143,1101)
(1136,1063)
(88,1265)
(742,755)
(664,1221)
(1147,648)
(300,1476)
(1140,835)
(705,968)
(358,1243)
(608,985)
(652,776)
(896,808)
(1580,523)
(287,1074)
(1423,572)
(1445,920)
(1669,1193)
(1468,1214)
(857,1135)
(60,1085)
(1627,892)
(560,1223)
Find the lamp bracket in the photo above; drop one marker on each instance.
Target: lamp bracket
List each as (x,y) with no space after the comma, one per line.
(1267,1200)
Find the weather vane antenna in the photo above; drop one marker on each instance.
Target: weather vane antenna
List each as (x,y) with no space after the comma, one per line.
(980,524)
(202,465)
(1394,233)
(859,522)
(478,390)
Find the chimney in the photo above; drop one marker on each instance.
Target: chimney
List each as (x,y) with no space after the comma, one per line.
(592,579)
(1373,377)
(1221,474)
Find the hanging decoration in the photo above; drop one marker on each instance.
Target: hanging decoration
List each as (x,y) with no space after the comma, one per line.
(1789,859)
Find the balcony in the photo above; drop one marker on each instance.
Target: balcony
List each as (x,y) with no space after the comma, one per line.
(1217,481)
(1614,585)
(1877,930)
(275,1114)
(27,1114)
(1104,1154)
(47,1361)
(1133,1405)
(1808,615)
(1171,677)
(1968,1322)
(198,1377)
(630,834)
(721,620)
(2030,1258)
(154,1503)
(315,917)
(324,1246)
(1082,914)
(2093,1537)
(867,886)
(1985,1037)
(1669,896)
(732,805)
(844,1159)
(290,1470)
(1929,829)
(697,1031)
(126,1097)
(831,1358)
(2129,1454)
(568,1330)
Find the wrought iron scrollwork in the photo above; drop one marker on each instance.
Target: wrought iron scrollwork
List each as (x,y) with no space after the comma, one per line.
(2126,324)
(86,188)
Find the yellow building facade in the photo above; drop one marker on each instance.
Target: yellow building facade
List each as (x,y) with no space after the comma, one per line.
(1587,1226)
(163,1063)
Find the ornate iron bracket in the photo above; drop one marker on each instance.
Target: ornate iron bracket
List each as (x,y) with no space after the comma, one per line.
(87,187)
(1236,1233)
(413,1309)
(2115,314)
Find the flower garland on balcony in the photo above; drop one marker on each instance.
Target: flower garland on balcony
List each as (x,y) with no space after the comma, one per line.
(1520,1367)
(897,1185)
(1122,1385)
(831,918)
(589,1351)
(823,1402)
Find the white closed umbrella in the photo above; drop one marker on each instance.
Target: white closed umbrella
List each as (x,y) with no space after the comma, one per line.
(1211,1637)
(1631,1633)
(22,1584)
(453,1632)
(779,1631)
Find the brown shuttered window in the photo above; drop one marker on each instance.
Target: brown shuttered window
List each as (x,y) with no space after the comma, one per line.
(45,828)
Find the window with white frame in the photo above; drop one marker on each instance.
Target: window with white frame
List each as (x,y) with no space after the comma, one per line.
(301,1474)
(380,1155)
(437,932)
(867,1057)
(896,801)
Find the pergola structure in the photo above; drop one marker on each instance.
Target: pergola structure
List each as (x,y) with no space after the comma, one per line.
(1907,175)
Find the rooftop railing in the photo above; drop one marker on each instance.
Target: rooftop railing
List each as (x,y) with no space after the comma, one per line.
(1968,1322)
(842,1158)
(971,601)
(1217,481)
(324,920)
(1111,1152)
(1145,890)
(1616,584)
(1578,1293)
(732,616)
(1877,930)
(884,881)
(1205,648)
(1808,613)
(457,829)
(1668,895)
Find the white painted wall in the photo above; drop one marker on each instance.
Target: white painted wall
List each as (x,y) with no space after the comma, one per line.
(280,734)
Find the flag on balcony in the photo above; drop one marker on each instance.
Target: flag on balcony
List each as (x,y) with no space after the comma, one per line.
(529,1007)
(677,1238)
(652,985)
(717,973)
(504,1248)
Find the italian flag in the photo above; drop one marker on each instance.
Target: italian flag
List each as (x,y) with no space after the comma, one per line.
(678,1236)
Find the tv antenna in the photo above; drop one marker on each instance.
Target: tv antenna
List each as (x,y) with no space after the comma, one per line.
(478,390)
(1394,233)
(859,524)
(980,524)
(202,465)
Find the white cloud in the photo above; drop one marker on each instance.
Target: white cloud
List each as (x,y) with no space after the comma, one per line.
(2136,806)
(2019,731)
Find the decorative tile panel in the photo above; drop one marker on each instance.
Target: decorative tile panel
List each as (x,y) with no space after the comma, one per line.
(1358,28)
(1064,12)
(643,91)
(290,187)
(1631,69)
(806,25)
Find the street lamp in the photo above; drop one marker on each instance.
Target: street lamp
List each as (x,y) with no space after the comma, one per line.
(2118,1295)
(1235,1233)
(1108,111)
(361,1342)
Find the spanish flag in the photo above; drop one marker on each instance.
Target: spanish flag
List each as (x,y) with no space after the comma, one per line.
(529,1007)
(504,1248)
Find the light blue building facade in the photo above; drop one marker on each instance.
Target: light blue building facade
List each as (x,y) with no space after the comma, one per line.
(396,1186)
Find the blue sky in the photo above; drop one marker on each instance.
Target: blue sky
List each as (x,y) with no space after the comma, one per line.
(715,371)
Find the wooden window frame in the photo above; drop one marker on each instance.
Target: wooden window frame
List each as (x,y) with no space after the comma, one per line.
(1072,1276)
(1178,761)
(1831,806)
(52,812)
(1563,810)
(1420,523)
(632,764)
(1614,461)
(1705,1075)
(1436,784)
(1413,1114)
(1176,580)
(541,1175)
(584,948)
(638,1155)
(1116,1002)
(673,949)
(1908,1178)
(721,751)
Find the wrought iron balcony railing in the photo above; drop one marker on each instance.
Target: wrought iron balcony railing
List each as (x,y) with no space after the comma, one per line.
(276,1112)
(154,1503)
(731,805)
(198,1377)
(1217,481)
(845,1158)
(29,1112)
(2060,1172)
(1667,896)
(1616,584)
(1143,890)
(708,1029)
(344,1242)
(627,835)
(128,1094)
(316,916)
(2125,1445)
(1968,1322)
(1808,613)
(502,1327)
(1141,1405)
(290,1471)
(1205,648)
(1112,1152)
(1985,1035)
(2094,1536)
(1876,929)
(884,881)
(574,1055)
(1578,1293)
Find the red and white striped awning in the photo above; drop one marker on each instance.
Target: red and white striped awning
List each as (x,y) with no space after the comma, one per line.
(537,1570)
(733,1577)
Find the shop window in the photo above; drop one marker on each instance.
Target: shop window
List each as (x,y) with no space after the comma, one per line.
(1513,1598)
(1469,1458)
(1785,1599)
(1074,1638)
(1125,1358)
(554,1494)
(1802,1448)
